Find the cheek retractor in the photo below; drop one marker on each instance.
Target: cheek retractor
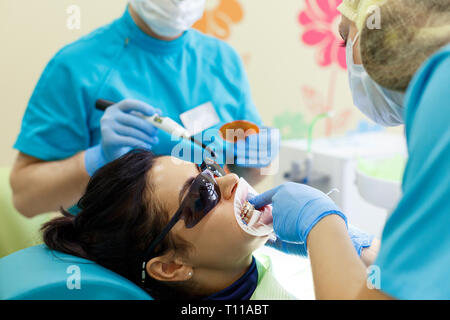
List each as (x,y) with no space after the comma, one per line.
(254,222)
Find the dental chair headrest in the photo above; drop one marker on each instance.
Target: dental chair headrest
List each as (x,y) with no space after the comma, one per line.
(40,273)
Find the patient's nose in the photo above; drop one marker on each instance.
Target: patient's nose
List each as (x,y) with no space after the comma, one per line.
(228,185)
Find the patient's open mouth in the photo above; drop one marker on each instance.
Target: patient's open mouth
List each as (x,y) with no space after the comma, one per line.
(257,222)
(247,211)
(251,217)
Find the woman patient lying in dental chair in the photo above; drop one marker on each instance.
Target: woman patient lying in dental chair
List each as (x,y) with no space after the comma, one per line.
(169,226)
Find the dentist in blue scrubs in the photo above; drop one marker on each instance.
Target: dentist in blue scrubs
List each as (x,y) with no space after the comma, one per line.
(148,61)
(414,257)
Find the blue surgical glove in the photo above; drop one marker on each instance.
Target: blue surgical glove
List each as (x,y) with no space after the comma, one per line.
(122,129)
(298,249)
(360,240)
(258,150)
(297,208)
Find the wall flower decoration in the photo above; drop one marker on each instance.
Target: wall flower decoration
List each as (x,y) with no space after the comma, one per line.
(219,16)
(320,20)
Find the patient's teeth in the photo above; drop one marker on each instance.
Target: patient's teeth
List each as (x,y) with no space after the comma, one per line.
(247,212)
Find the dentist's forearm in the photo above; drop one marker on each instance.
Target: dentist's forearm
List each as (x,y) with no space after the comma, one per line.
(40,186)
(338,272)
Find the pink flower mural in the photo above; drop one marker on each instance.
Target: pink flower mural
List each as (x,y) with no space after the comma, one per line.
(320,20)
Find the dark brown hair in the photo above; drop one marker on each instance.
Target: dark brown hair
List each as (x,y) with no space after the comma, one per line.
(117,222)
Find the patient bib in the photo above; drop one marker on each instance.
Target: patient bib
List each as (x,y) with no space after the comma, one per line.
(268,287)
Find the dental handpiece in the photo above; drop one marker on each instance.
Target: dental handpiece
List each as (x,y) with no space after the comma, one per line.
(164,123)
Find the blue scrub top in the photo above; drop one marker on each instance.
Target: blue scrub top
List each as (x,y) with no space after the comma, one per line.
(119,61)
(414,258)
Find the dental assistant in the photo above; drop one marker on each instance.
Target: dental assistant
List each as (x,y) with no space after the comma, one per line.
(414,256)
(148,61)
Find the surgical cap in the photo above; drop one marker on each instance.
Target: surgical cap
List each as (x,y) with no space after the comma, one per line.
(349,9)
(358,10)
(412,30)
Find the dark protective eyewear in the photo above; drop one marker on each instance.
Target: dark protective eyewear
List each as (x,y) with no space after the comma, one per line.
(202,196)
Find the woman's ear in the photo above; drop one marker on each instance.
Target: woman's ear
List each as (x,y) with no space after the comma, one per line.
(169,268)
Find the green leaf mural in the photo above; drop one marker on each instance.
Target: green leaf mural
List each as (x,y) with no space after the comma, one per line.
(292,125)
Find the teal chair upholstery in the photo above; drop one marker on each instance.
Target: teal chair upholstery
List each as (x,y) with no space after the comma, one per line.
(38,273)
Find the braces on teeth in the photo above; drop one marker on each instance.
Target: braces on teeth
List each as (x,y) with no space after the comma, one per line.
(249,219)
(249,214)
(245,212)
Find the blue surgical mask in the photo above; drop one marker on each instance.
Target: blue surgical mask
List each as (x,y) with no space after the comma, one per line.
(383,106)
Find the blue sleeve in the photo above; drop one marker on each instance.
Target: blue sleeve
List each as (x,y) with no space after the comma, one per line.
(55,123)
(414,258)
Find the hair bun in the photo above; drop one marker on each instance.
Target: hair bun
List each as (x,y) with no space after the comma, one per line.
(61,234)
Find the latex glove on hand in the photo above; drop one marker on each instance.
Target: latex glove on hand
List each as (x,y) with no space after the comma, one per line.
(258,150)
(298,249)
(296,209)
(122,129)
(359,239)
(255,151)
